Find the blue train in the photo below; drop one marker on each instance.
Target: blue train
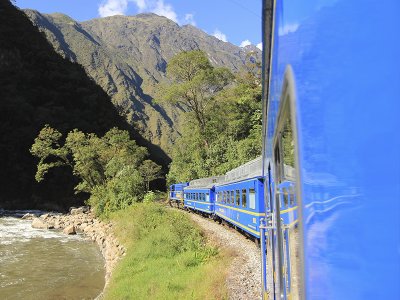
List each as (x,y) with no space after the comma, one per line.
(331,86)
(175,194)
(326,202)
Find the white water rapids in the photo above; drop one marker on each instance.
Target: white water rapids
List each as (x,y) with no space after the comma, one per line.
(46,264)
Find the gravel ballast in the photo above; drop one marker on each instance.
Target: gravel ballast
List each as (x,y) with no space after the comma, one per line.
(244,273)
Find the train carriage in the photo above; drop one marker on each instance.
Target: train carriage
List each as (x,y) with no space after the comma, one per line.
(240,203)
(331,90)
(175,194)
(200,195)
(200,198)
(239,199)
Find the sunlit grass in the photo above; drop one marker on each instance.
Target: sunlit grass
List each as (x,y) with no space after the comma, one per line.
(167,257)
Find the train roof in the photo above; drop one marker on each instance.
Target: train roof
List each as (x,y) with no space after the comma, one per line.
(205,183)
(248,170)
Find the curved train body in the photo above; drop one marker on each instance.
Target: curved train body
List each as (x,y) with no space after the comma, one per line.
(331,95)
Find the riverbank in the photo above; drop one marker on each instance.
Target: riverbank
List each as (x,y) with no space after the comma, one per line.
(161,253)
(83,220)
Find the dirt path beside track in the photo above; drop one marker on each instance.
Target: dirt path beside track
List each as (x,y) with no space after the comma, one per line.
(244,273)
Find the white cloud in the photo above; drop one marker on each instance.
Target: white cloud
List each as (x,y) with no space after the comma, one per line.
(120,7)
(113,7)
(245,43)
(141,4)
(219,35)
(189,19)
(259,46)
(165,10)
(288,28)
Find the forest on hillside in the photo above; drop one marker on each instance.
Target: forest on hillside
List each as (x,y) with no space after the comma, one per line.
(223,115)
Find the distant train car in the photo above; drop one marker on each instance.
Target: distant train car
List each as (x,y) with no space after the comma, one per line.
(331,86)
(200,195)
(239,199)
(176,193)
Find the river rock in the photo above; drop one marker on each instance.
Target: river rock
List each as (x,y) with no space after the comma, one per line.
(37,223)
(76,211)
(69,230)
(28,216)
(44,217)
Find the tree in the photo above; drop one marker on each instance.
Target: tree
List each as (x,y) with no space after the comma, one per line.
(194,84)
(107,167)
(150,171)
(233,126)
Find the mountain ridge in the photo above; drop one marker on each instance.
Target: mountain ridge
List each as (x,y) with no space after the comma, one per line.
(127,56)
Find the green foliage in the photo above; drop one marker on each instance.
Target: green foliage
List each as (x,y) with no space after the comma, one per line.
(232,128)
(150,171)
(194,84)
(150,197)
(111,169)
(167,257)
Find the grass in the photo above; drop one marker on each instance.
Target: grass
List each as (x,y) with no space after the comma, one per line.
(167,257)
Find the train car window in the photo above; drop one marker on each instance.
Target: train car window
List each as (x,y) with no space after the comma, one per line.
(287,240)
(237,197)
(252,198)
(207,197)
(292,196)
(285,198)
(224,197)
(228,197)
(232,197)
(244,198)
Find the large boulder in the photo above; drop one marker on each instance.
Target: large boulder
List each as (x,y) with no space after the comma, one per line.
(70,230)
(39,224)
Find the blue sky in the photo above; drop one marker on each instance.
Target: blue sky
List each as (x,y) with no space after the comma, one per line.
(234,21)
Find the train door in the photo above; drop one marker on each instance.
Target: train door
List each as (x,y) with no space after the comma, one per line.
(284,242)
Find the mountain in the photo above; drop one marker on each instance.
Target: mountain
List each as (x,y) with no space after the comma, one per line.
(39,87)
(127,56)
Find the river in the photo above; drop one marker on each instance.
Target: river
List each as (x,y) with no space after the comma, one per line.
(47,264)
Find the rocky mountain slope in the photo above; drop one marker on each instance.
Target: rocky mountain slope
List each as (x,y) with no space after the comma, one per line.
(127,56)
(39,87)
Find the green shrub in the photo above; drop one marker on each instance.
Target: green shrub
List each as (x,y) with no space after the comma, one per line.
(150,197)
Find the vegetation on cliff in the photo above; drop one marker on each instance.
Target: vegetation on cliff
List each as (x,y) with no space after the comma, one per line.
(128,55)
(223,116)
(112,169)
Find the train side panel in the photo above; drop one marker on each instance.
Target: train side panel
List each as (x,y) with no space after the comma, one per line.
(241,204)
(344,58)
(200,199)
